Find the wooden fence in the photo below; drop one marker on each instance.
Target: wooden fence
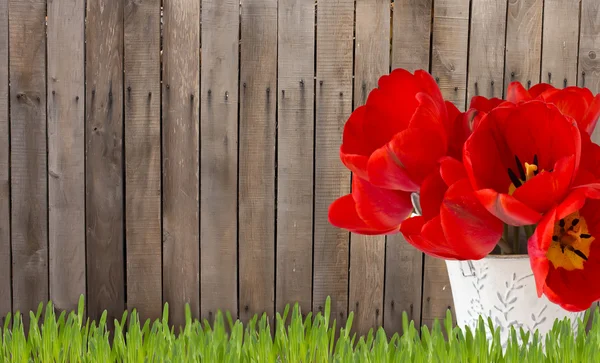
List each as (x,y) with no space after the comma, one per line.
(191,157)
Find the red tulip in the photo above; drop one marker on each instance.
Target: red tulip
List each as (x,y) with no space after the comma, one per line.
(565,253)
(383,140)
(479,107)
(370,210)
(589,167)
(454,225)
(576,102)
(522,160)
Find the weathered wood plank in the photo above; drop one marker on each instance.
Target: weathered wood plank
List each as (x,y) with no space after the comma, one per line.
(5,267)
(295,153)
(335,25)
(437,294)
(589,46)
(589,51)
(142,157)
(486,53)
(258,74)
(219,156)
(29,222)
(411,39)
(104,158)
(560,38)
(523,42)
(367,253)
(404,263)
(449,66)
(449,49)
(403,283)
(180,138)
(66,152)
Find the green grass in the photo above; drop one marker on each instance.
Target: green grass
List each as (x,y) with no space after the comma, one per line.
(71,338)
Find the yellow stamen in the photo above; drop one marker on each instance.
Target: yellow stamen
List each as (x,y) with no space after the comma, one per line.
(571,242)
(530,170)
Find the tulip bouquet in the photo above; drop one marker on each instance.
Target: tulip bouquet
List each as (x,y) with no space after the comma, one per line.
(515,175)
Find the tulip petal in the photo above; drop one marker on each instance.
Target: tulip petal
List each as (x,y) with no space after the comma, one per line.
(355,150)
(469,228)
(382,209)
(432,194)
(517,93)
(537,246)
(404,163)
(546,189)
(569,102)
(390,107)
(588,124)
(342,214)
(507,208)
(452,170)
(411,230)
(536,90)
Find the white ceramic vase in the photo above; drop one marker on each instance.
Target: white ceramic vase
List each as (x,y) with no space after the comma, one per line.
(503,288)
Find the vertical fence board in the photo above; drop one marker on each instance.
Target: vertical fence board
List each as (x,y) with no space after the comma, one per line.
(589,46)
(104,158)
(5,290)
(589,51)
(404,263)
(29,223)
(258,75)
(449,49)
(449,67)
(296,32)
(523,42)
(142,157)
(219,156)
(66,152)
(486,53)
(335,26)
(560,37)
(180,102)
(367,253)
(411,34)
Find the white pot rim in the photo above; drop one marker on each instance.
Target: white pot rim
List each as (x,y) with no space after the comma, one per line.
(508,257)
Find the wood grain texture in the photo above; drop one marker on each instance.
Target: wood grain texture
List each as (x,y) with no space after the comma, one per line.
(523,42)
(560,38)
(5,266)
(142,157)
(449,49)
(219,156)
(437,294)
(367,253)
(449,66)
(295,153)
(180,138)
(403,283)
(66,152)
(29,183)
(486,53)
(257,135)
(589,51)
(104,158)
(335,25)
(411,37)
(404,263)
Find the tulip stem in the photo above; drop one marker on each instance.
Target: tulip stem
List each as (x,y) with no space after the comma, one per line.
(504,246)
(516,246)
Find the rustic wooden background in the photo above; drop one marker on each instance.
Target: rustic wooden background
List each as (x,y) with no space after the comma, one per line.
(198,166)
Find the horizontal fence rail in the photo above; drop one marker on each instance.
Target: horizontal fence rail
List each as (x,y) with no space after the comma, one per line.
(186,151)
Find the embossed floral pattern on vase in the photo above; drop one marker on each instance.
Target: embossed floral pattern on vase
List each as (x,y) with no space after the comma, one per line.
(503,288)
